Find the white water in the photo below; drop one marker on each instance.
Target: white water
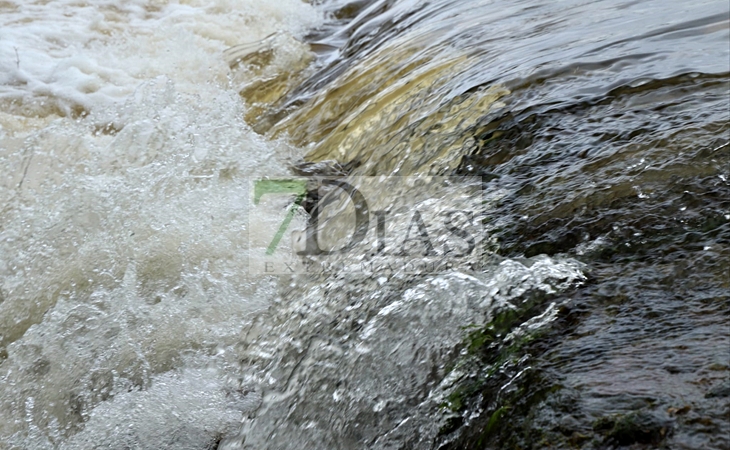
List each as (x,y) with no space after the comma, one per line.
(122,254)
(124,297)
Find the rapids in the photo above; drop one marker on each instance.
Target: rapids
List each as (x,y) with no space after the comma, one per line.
(131,131)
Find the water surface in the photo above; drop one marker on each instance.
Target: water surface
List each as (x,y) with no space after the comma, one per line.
(130,132)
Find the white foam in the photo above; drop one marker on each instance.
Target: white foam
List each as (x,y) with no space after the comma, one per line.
(123,286)
(70,55)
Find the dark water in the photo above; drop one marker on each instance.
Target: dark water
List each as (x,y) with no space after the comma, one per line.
(604,126)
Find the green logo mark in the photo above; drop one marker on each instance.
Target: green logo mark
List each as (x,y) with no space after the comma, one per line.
(297,187)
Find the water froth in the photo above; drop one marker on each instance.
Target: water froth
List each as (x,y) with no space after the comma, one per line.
(123,289)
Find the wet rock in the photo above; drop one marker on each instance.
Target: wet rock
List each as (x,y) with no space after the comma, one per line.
(568,425)
(640,427)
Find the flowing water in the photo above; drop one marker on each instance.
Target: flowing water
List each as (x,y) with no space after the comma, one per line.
(130,131)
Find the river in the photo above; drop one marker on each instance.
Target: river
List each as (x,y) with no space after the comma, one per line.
(133,132)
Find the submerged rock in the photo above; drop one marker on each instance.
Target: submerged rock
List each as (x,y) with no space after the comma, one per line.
(721,391)
(637,427)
